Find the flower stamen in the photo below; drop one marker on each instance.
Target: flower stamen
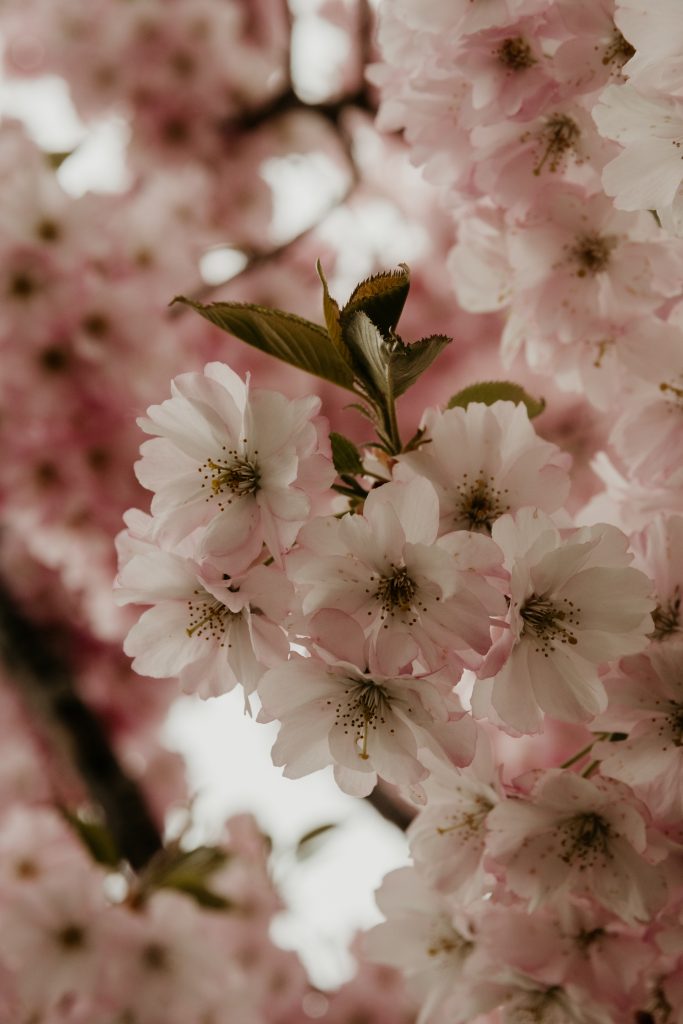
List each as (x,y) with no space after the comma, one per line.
(546,622)
(397,590)
(559,134)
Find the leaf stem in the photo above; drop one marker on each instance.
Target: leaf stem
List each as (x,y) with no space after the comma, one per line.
(392,424)
(585,750)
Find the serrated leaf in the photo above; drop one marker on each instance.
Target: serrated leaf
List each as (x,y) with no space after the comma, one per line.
(96,838)
(345,455)
(408,362)
(296,341)
(331,312)
(370,353)
(306,845)
(381,297)
(493,391)
(390,366)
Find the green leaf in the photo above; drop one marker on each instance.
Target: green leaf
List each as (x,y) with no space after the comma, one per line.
(381,297)
(345,455)
(332,313)
(186,871)
(371,354)
(408,362)
(493,391)
(309,842)
(390,366)
(96,838)
(288,337)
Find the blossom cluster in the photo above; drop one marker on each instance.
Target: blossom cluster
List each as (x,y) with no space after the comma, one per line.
(411,636)
(545,883)
(530,116)
(447,615)
(112,949)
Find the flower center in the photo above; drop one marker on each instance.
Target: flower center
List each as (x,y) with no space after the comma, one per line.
(618,50)
(546,622)
(71,936)
(667,617)
(230,474)
(480,505)
(208,618)
(535,1007)
(558,135)
(674,721)
(397,590)
(585,939)
(515,54)
(469,821)
(452,943)
(585,838)
(155,956)
(591,253)
(366,705)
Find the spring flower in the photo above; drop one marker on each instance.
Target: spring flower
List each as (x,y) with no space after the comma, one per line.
(447,837)
(485,461)
(433,945)
(648,173)
(414,595)
(574,603)
(581,836)
(646,702)
(337,707)
(209,628)
(246,463)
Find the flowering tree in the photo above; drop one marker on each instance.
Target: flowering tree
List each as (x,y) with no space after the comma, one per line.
(463,598)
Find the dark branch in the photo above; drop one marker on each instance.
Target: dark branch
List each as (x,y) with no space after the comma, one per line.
(399,814)
(46,686)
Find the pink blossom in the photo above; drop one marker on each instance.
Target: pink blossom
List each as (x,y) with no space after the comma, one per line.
(574,604)
(245,464)
(656,549)
(580,264)
(647,174)
(447,837)
(580,836)
(211,629)
(415,596)
(646,703)
(338,707)
(434,945)
(485,461)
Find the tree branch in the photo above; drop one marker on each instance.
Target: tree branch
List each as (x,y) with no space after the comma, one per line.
(46,686)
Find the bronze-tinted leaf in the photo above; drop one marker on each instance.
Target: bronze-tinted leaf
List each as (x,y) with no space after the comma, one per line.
(288,337)
(381,297)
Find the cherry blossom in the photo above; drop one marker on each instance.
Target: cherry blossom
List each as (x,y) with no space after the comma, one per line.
(246,464)
(211,629)
(584,836)
(647,175)
(574,603)
(485,461)
(353,715)
(416,595)
(646,705)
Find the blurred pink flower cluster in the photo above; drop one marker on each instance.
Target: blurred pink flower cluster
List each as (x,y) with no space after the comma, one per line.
(492,623)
